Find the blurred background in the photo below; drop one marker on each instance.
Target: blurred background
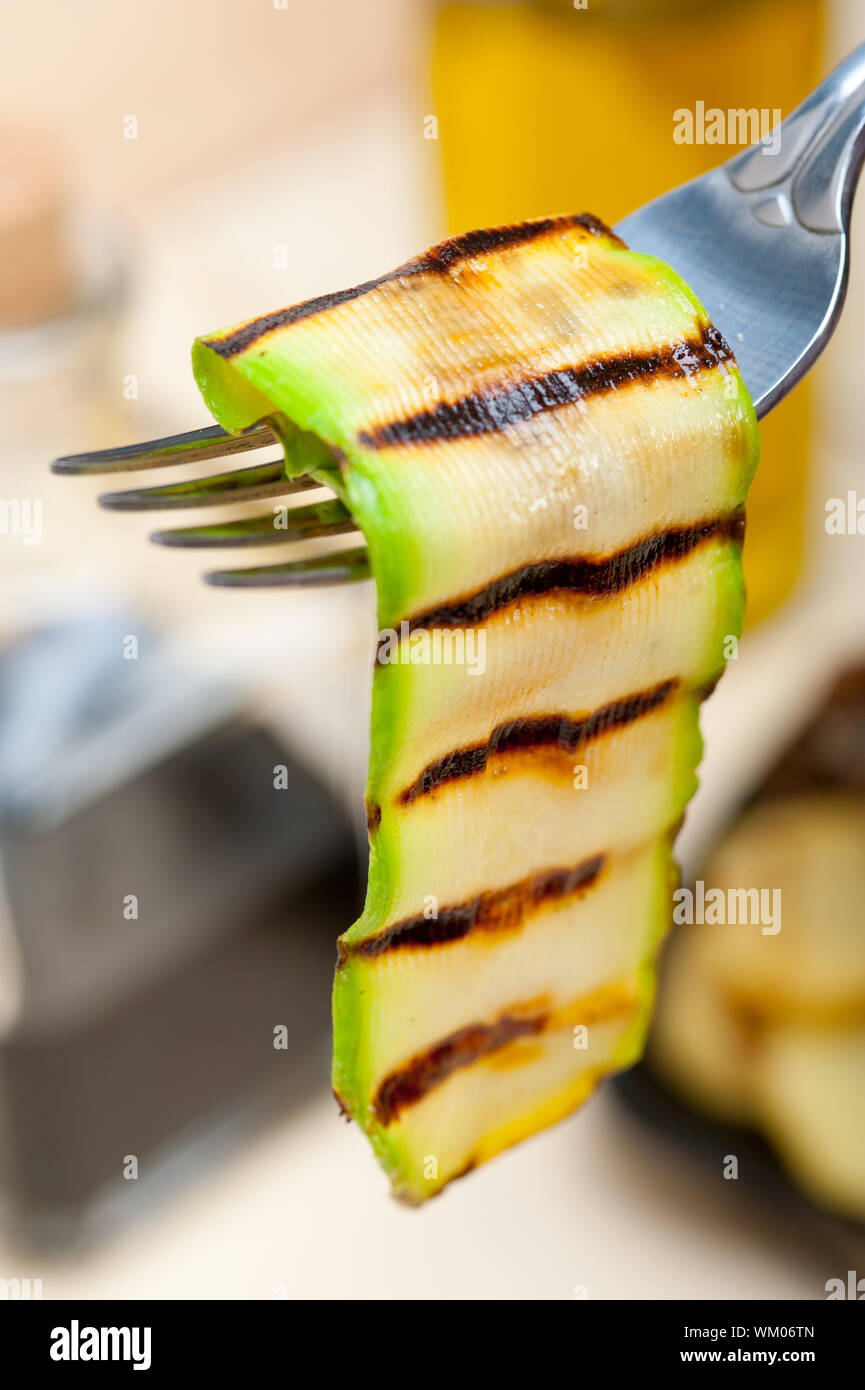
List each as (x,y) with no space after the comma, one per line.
(181,768)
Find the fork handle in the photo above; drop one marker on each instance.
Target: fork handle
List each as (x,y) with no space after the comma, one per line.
(817,152)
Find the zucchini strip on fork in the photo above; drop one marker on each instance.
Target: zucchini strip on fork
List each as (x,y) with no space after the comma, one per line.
(548,448)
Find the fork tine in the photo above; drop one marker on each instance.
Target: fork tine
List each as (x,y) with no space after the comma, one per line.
(283,524)
(208,443)
(340,567)
(242,485)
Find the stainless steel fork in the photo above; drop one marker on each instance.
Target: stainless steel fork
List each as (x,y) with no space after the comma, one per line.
(763,240)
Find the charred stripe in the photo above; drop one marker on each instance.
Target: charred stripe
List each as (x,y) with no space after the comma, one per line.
(494,911)
(437,260)
(429,1069)
(483,243)
(596,578)
(410,1083)
(496,408)
(554,730)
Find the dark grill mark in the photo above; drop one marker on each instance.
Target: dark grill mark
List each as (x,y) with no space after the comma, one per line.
(438,260)
(459,248)
(494,911)
(554,730)
(495,408)
(410,1083)
(596,578)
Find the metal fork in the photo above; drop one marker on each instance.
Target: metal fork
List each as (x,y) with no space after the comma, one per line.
(763,240)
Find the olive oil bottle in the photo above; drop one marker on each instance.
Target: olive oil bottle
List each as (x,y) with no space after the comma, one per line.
(560,106)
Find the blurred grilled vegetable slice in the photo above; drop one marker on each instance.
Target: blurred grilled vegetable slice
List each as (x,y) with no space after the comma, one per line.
(548,449)
(767,1027)
(810,1102)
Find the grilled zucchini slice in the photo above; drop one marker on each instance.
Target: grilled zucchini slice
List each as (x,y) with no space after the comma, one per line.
(548,448)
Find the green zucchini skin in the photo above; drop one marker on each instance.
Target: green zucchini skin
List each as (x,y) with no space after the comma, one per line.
(548,448)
